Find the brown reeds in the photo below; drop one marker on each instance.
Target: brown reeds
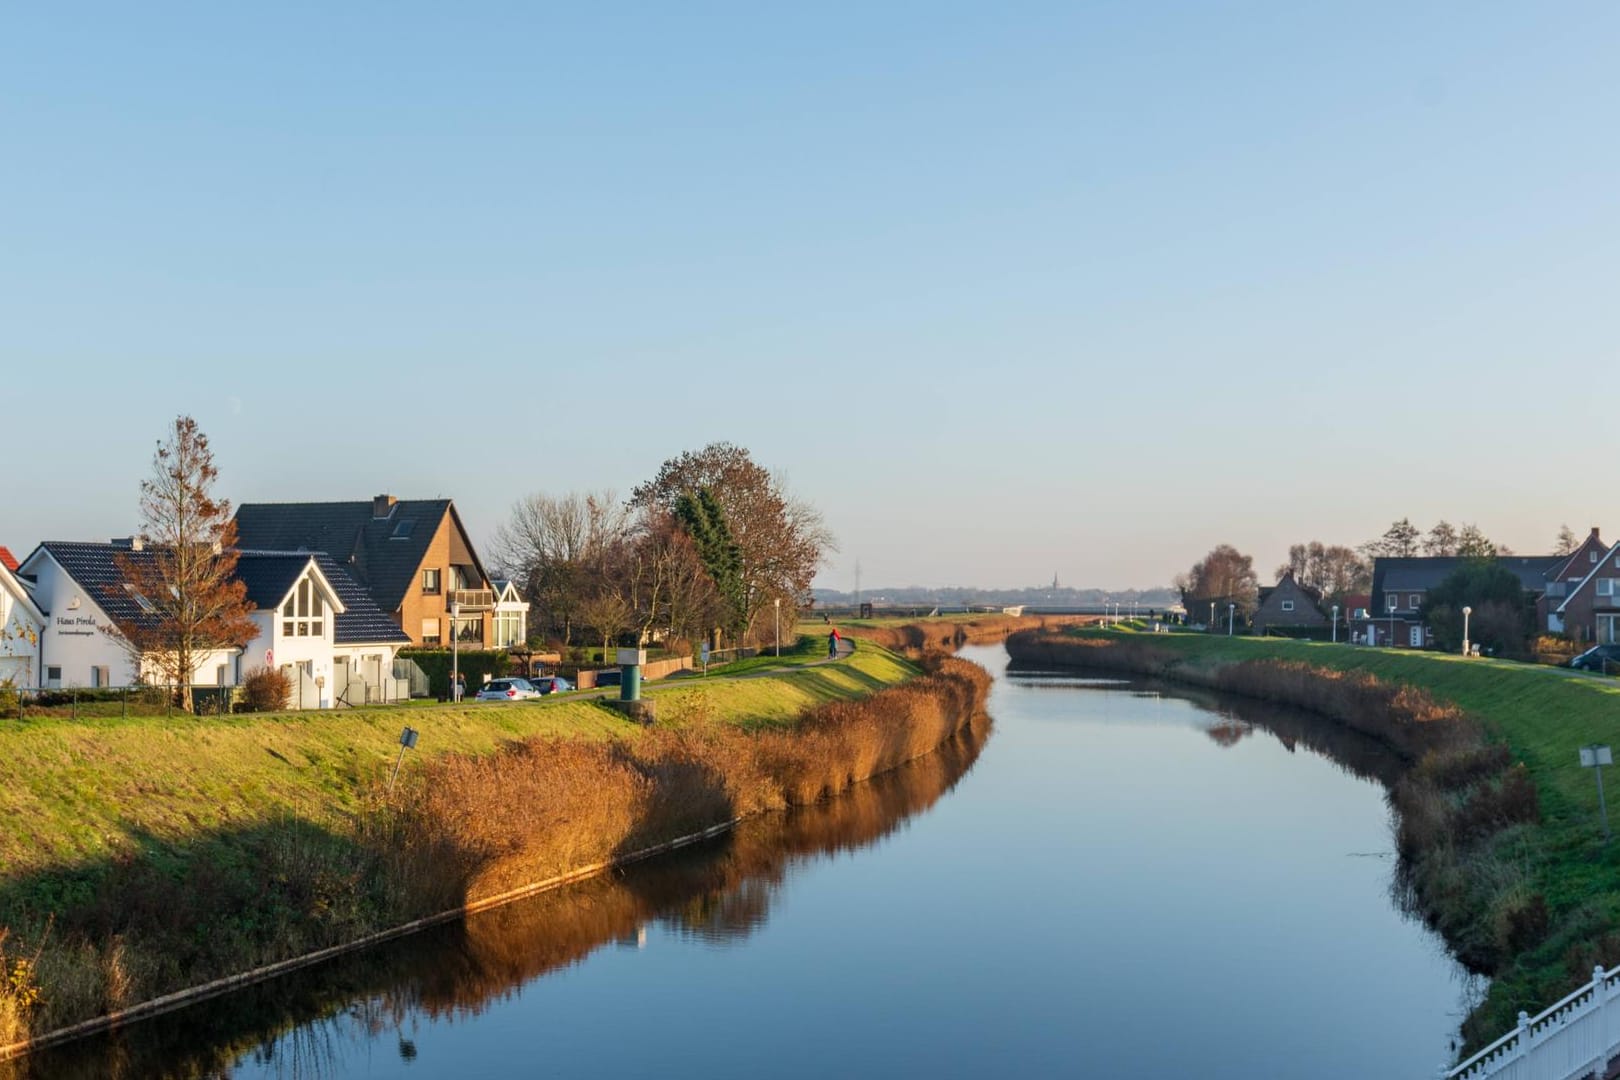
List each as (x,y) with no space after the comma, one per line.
(461,829)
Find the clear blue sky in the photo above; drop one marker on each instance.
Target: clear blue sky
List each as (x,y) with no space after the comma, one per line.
(1004,289)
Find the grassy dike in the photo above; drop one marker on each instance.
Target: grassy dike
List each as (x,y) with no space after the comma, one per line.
(148,855)
(1497,825)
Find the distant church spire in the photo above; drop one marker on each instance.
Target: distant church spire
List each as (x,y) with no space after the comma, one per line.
(1054,580)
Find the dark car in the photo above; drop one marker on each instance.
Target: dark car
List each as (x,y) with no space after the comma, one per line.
(609,677)
(552,684)
(1595,658)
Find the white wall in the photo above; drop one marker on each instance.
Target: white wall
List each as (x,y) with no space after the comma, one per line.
(19,636)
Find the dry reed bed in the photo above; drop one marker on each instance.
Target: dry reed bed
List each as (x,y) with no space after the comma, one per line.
(1461,805)
(924,637)
(461,829)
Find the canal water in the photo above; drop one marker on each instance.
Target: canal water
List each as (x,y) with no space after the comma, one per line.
(1104,879)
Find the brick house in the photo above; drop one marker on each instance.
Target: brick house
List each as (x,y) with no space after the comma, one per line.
(1590,612)
(1562,580)
(413,556)
(1401,584)
(1288,604)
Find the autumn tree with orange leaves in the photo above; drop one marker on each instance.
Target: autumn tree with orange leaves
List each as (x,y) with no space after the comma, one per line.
(183,575)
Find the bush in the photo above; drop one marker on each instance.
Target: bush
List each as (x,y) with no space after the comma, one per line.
(8,700)
(265,690)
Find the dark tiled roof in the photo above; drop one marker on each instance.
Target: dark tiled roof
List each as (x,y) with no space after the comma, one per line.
(362,622)
(1426,572)
(270,575)
(383,554)
(94,568)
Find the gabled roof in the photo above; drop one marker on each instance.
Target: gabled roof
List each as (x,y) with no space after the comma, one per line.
(10,582)
(7,559)
(271,575)
(1423,572)
(1587,580)
(268,575)
(1570,566)
(362,621)
(382,553)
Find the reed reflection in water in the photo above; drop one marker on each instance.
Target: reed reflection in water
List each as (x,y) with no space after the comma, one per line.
(340,1018)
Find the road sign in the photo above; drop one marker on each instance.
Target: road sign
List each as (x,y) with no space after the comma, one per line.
(705,652)
(269,658)
(1595,755)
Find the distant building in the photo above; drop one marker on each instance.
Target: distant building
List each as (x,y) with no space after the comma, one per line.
(1288,605)
(1401,584)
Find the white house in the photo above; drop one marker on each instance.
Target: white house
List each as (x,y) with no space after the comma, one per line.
(511,615)
(21,623)
(311,624)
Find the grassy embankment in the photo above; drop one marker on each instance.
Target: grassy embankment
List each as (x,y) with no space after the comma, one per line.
(146,855)
(1498,826)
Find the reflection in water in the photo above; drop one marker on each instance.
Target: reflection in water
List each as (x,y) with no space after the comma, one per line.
(306,1025)
(1231,719)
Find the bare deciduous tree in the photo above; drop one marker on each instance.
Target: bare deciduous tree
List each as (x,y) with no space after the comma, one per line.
(558,550)
(183,576)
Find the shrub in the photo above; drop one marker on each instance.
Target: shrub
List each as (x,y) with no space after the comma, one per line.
(8,700)
(265,690)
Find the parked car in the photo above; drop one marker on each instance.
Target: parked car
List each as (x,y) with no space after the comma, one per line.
(552,684)
(610,677)
(1593,659)
(508,690)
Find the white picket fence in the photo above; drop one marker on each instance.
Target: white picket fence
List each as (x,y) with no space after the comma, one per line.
(1573,1039)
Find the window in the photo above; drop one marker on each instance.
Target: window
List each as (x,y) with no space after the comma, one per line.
(302,614)
(470,630)
(53,677)
(1592,556)
(1288,605)
(430,581)
(1605,586)
(1392,601)
(100,677)
(430,632)
(509,629)
(1413,600)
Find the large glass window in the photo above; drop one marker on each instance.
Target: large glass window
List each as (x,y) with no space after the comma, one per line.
(430,581)
(302,614)
(470,630)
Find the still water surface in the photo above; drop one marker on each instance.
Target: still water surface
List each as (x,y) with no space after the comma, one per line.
(1120,881)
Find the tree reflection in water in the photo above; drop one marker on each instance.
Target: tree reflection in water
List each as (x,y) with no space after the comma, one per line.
(302,1026)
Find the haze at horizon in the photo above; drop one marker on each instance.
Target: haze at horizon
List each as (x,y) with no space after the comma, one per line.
(1073,291)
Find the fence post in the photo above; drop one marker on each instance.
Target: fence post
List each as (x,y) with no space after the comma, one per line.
(123,702)
(75,711)
(1600,1002)
(1522,1046)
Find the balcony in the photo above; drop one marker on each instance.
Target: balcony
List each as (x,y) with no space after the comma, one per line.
(472,599)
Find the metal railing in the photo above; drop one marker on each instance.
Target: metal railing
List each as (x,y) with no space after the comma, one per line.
(1572,1039)
(137,699)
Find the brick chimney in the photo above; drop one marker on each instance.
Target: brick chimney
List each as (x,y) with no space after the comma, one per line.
(383,506)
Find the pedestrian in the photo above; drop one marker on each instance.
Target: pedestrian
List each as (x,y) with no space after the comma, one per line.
(461,686)
(832,644)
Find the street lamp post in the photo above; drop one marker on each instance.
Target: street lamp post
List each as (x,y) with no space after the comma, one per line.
(1231,618)
(778,626)
(1467,611)
(1335,624)
(455,652)
(1212,623)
